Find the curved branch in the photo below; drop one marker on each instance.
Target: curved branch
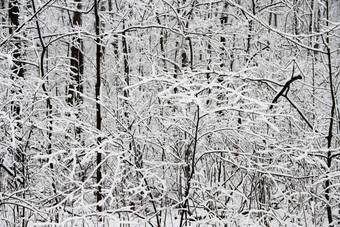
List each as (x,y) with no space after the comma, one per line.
(285,89)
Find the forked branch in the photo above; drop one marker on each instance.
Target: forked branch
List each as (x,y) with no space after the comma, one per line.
(285,89)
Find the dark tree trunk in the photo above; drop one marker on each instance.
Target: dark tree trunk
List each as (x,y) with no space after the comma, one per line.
(329,137)
(13,13)
(98,106)
(126,62)
(77,62)
(17,73)
(17,69)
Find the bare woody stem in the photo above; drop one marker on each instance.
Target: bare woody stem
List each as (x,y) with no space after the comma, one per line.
(98,106)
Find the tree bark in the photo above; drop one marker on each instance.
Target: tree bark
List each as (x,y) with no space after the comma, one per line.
(330,129)
(98,106)
(77,61)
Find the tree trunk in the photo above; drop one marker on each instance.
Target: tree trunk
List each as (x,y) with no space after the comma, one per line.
(77,62)
(330,129)
(98,106)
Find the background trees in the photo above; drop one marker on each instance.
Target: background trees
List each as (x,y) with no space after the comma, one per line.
(169,113)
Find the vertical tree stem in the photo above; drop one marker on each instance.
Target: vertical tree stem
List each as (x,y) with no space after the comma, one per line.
(98,106)
(330,129)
